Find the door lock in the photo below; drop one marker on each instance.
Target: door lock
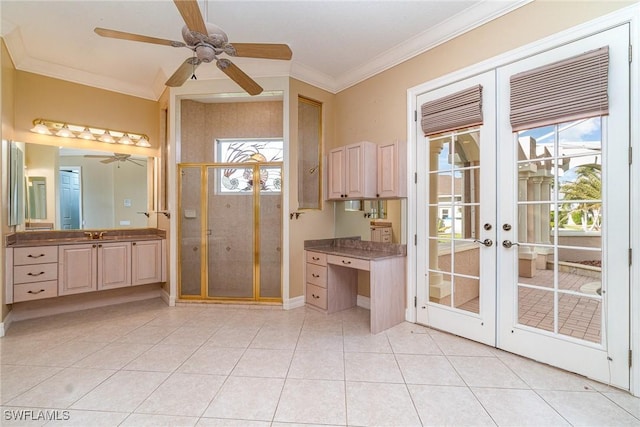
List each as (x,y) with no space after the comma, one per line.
(487,242)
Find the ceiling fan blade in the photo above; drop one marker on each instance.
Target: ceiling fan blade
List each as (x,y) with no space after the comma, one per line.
(191,15)
(114,34)
(260,50)
(107,161)
(97,156)
(238,76)
(183,72)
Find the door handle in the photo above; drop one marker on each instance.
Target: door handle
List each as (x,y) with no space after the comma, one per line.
(508,243)
(487,242)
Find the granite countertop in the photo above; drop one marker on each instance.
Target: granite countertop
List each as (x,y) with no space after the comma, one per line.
(50,238)
(354,247)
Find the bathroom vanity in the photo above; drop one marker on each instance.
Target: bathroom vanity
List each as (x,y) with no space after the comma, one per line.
(331,272)
(43,265)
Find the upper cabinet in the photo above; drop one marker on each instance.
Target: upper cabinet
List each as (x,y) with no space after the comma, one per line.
(392,170)
(367,171)
(352,172)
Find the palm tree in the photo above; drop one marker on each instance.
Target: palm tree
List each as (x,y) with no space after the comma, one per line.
(586,191)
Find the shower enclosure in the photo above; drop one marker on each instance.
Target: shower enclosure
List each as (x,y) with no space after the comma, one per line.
(230,225)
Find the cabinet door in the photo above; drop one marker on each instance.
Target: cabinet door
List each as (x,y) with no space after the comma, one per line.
(360,172)
(336,178)
(392,180)
(77,268)
(146,260)
(114,265)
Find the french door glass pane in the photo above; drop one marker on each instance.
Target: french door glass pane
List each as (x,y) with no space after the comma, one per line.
(454,184)
(560,226)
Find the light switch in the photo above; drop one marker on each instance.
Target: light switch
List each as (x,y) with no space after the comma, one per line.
(189,213)
(125,222)
(127,203)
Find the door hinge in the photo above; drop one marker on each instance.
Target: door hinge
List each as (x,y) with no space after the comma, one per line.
(415,304)
(630,53)
(630,256)
(415,115)
(415,177)
(630,357)
(415,240)
(630,155)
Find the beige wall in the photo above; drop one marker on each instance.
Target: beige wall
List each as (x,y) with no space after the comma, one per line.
(44,97)
(376,109)
(312,224)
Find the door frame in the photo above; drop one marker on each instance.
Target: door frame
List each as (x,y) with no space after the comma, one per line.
(629,15)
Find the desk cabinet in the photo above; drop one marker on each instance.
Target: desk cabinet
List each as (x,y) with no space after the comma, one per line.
(327,289)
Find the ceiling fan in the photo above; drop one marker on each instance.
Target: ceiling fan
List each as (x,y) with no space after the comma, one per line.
(116,157)
(208,42)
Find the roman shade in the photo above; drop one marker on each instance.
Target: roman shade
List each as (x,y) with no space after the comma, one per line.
(456,111)
(571,89)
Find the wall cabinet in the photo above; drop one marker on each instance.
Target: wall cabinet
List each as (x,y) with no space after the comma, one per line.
(392,170)
(352,172)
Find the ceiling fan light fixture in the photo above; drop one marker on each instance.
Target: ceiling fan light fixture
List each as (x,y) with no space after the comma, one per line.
(106,137)
(40,127)
(143,142)
(205,53)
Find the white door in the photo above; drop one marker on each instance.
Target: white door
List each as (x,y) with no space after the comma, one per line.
(563,227)
(523,238)
(456,223)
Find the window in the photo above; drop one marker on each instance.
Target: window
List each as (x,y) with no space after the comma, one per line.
(249,151)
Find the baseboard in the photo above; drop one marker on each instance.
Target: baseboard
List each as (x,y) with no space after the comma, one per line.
(363,302)
(292,303)
(168,299)
(4,325)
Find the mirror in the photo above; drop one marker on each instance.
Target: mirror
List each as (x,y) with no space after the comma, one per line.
(70,189)
(37,197)
(356,218)
(16,183)
(309,153)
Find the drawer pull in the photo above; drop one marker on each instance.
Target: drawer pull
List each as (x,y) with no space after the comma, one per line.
(35,292)
(35,274)
(315,296)
(315,275)
(315,258)
(346,262)
(35,256)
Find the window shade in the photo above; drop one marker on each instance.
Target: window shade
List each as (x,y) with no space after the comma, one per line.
(456,111)
(571,89)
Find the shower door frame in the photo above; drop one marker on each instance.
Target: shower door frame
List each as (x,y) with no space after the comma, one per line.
(204,241)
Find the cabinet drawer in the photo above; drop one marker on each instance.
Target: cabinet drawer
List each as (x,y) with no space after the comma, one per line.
(35,273)
(316,296)
(385,231)
(35,255)
(317,275)
(386,239)
(360,264)
(316,258)
(32,291)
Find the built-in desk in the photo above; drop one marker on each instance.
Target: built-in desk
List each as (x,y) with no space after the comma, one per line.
(331,272)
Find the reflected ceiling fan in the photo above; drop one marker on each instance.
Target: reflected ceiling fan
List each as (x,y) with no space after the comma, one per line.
(208,42)
(115,157)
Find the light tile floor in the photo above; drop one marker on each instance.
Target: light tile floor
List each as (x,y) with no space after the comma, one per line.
(144,363)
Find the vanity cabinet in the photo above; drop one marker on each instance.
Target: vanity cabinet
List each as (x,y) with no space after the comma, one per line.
(392,170)
(114,265)
(146,262)
(77,268)
(35,273)
(352,172)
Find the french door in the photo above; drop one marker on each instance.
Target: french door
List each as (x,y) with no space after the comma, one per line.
(523,238)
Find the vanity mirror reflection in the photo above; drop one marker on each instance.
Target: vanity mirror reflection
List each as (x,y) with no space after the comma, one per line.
(69,189)
(359,217)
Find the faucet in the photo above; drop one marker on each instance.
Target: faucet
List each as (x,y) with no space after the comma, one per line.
(95,235)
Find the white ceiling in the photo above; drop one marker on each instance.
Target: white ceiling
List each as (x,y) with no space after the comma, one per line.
(335,43)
